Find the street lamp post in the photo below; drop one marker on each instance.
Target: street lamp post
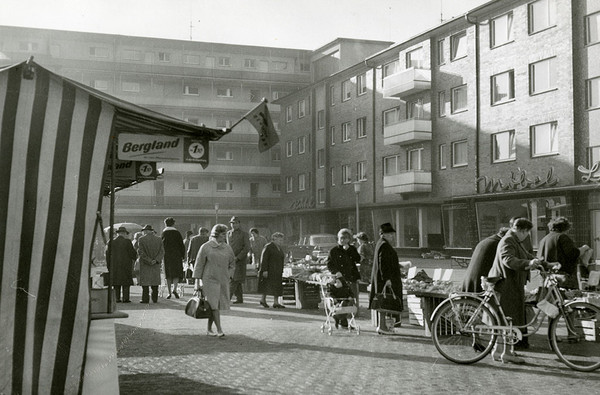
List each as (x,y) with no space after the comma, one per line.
(216,213)
(357,192)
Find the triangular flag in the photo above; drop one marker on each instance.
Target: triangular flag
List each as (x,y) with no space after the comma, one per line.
(260,118)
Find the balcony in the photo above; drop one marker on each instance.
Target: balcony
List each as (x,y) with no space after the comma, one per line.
(407,132)
(407,182)
(407,82)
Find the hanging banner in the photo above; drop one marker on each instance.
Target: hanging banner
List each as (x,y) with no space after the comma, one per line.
(162,148)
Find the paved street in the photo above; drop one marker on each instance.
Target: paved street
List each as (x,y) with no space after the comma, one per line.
(161,350)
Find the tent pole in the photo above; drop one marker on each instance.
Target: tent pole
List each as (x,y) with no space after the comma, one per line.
(113,165)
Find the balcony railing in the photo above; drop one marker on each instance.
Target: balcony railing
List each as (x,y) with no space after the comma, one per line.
(408,131)
(406,82)
(407,182)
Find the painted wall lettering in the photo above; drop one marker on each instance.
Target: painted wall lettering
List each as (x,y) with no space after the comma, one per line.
(518,181)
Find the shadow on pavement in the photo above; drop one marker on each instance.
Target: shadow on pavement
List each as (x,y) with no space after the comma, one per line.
(145,383)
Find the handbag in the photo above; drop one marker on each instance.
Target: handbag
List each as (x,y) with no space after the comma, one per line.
(387,301)
(198,307)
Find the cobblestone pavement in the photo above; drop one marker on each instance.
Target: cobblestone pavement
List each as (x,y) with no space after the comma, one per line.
(161,350)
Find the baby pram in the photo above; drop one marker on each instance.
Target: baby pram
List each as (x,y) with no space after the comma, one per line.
(339,304)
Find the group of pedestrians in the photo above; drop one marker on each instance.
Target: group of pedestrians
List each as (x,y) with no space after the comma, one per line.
(509,254)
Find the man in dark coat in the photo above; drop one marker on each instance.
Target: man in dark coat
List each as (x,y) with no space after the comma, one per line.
(270,272)
(481,261)
(194,246)
(174,255)
(386,271)
(240,244)
(120,256)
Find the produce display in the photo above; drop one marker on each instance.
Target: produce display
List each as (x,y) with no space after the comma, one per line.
(437,286)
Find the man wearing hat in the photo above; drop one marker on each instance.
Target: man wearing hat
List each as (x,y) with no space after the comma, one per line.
(151,251)
(120,256)
(386,271)
(240,244)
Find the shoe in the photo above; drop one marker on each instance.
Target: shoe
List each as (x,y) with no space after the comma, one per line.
(154,301)
(383,331)
(118,301)
(176,295)
(238,302)
(278,306)
(220,334)
(512,359)
(210,333)
(127,301)
(144,301)
(169,297)
(264,304)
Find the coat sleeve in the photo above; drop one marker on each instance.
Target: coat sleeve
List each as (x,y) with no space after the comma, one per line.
(132,252)
(509,256)
(265,259)
(181,247)
(200,262)
(161,253)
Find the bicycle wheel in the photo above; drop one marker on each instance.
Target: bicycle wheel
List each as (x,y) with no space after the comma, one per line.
(459,330)
(575,336)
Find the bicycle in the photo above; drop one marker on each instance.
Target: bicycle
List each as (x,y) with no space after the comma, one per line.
(466,326)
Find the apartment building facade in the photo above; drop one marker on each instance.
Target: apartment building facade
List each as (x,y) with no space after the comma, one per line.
(203,83)
(452,132)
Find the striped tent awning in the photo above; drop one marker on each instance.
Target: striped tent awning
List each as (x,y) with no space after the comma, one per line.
(54,144)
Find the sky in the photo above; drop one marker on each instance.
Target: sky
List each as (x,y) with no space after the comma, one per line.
(300,24)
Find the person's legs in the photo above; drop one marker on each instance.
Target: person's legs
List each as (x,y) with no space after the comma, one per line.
(117,289)
(210,324)
(145,296)
(236,289)
(155,293)
(126,293)
(175,283)
(169,288)
(263,300)
(216,314)
(354,288)
(382,323)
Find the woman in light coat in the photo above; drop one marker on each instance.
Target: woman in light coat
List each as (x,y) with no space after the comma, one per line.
(213,268)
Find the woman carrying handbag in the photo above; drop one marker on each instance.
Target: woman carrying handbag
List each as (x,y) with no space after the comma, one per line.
(385,274)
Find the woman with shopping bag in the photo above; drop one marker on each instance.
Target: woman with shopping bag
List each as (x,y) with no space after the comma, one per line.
(385,274)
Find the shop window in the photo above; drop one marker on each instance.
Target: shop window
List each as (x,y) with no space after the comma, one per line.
(457,230)
(542,15)
(503,87)
(501,30)
(504,146)
(408,234)
(542,76)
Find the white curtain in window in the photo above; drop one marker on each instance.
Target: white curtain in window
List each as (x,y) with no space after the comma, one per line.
(545,140)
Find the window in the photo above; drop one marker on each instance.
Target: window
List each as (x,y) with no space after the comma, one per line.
(321,119)
(224,187)
(130,54)
(501,30)
(415,110)
(288,114)
(250,63)
(224,61)
(544,139)
(321,158)
(209,62)
(191,59)
(321,195)
(279,66)
(130,86)
(275,186)
(332,95)
(164,57)
(191,90)
(594,155)
(413,158)
(332,133)
(542,15)
(254,96)
(390,68)
(224,92)
(289,148)
(503,87)
(459,154)
(361,84)
(593,92)
(504,146)
(391,165)
(361,171)
(442,103)
(289,184)
(332,175)
(346,90)
(223,123)
(28,46)
(542,76)
(191,185)
(459,99)
(457,228)
(301,145)
(101,85)
(391,116)
(346,174)
(224,154)
(414,58)
(442,156)
(276,154)
(346,130)
(458,45)
(361,127)
(304,67)
(99,52)
(441,51)
(592,28)
(301,108)
(194,120)
(301,182)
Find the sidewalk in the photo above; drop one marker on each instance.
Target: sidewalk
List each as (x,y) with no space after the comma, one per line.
(161,350)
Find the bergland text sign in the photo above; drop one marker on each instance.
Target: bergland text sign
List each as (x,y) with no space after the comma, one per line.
(162,148)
